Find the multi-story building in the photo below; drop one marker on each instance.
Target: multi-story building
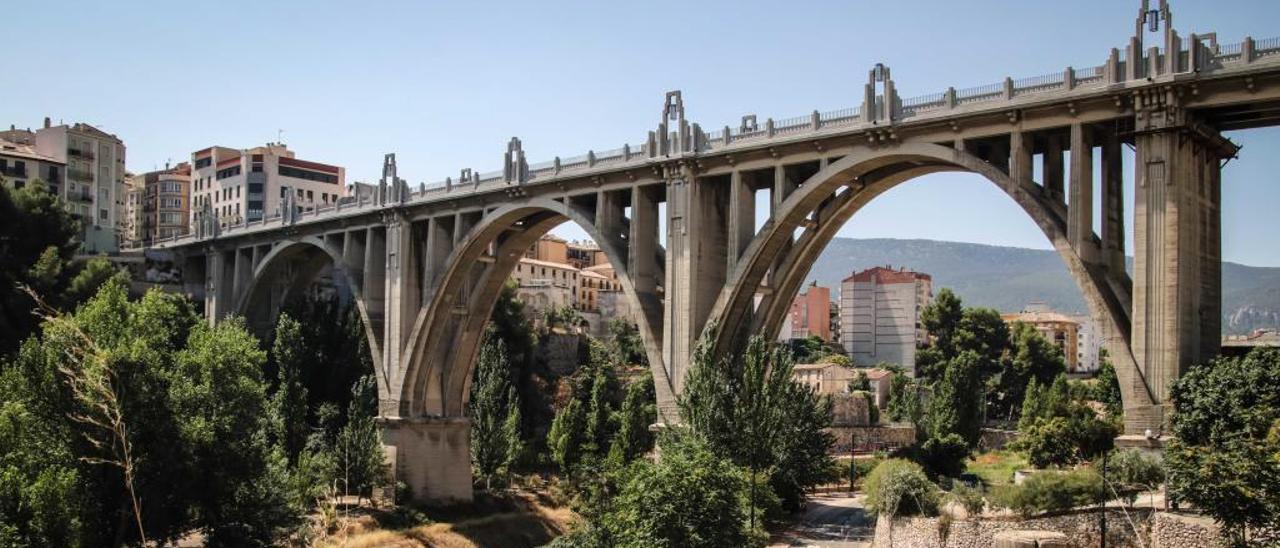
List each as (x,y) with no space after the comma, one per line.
(93,186)
(1088,345)
(237,186)
(811,313)
(584,254)
(1060,329)
(20,164)
(880,315)
(160,203)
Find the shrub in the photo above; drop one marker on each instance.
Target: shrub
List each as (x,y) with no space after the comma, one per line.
(970,498)
(1131,472)
(944,456)
(1051,491)
(900,488)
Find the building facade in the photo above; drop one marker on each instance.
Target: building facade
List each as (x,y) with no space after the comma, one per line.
(1059,329)
(811,314)
(235,186)
(92,184)
(20,164)
(1088,345)
(880,315)
(158,205)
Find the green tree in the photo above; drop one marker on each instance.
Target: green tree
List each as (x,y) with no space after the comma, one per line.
(744,404)
(359,455)
(860,382)
(633,438)
(1106,388)
(511,432)
(289,402)
(89,276)
(688,498)
(1225,455)
(598,413)
(488,409)
(1032,357)
(904,398)
(1057,428)
(900,488)
(567,435)
(953,409)
(37,245)
(625,339)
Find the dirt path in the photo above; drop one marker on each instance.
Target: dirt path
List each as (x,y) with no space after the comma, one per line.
(831,520)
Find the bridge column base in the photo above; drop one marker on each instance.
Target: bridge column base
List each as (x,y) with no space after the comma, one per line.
(431,455)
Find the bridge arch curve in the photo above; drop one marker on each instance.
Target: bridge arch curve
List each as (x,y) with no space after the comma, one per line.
(293,264)
(822,205)
(448,332)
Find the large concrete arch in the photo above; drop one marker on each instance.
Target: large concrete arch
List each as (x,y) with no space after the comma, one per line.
(316,255)
(824,202)
(447,334)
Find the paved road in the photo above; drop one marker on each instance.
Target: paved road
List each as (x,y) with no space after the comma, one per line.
(836,520)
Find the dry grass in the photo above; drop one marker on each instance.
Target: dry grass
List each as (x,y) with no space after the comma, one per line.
(523,520)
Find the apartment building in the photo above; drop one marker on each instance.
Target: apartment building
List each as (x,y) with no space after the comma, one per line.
(20,164)
(811,313)
(236,186)
(880,315)
(159,203)
(93,180)
(1060,329)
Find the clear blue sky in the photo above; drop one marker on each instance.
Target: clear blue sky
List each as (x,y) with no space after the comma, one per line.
(446,84)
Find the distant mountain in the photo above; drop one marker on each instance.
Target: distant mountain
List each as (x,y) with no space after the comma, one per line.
(1007,278)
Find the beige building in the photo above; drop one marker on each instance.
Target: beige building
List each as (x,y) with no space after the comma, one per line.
(880,315)
(93,183)
(20,164)
(158,204)
(1060,329)
(830,378)
(237,186)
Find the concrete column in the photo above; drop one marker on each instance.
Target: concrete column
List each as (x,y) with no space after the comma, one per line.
(782,187)
(1052,169)
(374,282)
(1080,206)
(1177,297)
(1020,158)
(432,456)
(439,246)
(218,275)
(400,291)
(243,273)
(1113,204)
(642,250)
(696,259)
(611,215)
(742,218)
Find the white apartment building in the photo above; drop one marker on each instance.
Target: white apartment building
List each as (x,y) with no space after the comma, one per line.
(1088,345)
(93,186)
(248,185)
(880,316)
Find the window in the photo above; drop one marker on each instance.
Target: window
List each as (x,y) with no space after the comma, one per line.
(296,173)
(204,162)
(228,172)
(311,196)
(237,192)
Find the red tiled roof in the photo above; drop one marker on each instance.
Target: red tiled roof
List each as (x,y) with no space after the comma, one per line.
(887,275)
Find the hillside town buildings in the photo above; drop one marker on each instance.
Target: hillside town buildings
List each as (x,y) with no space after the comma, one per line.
(235,186)
(158,205)
(83,165)
(880,315)
(556,273)
(1076,336)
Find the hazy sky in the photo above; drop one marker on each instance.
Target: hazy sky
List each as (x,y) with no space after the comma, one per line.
(446,84)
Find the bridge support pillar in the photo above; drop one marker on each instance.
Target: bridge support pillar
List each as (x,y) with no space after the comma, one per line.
(432,456)
(1177,256)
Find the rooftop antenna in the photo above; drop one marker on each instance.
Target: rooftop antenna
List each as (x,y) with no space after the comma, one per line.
(279,134)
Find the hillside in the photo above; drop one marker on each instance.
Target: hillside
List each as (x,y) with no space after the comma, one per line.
(1007,278)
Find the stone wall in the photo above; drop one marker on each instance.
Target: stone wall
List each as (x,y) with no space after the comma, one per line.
(872,438)
(1080,526)
(1175,531)
(993,439)
(561,352)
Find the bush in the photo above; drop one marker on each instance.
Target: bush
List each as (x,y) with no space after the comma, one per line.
(900,488)
(1131,472)
(970,498)
(1051,491)
(944,456)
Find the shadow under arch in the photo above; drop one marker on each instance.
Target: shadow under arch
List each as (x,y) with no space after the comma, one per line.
(447,333)
(825,201)
(294,264)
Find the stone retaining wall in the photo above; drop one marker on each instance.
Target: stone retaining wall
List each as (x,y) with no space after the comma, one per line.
(1081,527)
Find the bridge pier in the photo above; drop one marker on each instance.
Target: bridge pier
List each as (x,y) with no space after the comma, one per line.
(431,455)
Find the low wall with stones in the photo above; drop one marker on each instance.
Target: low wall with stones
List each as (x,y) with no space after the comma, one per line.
(1082,528)
(1175,531)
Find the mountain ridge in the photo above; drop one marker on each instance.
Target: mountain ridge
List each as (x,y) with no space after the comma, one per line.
(1008,278)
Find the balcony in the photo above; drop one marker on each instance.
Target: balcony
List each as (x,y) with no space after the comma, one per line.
(82,196)
(11,171)
(77,175)
(84,154)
